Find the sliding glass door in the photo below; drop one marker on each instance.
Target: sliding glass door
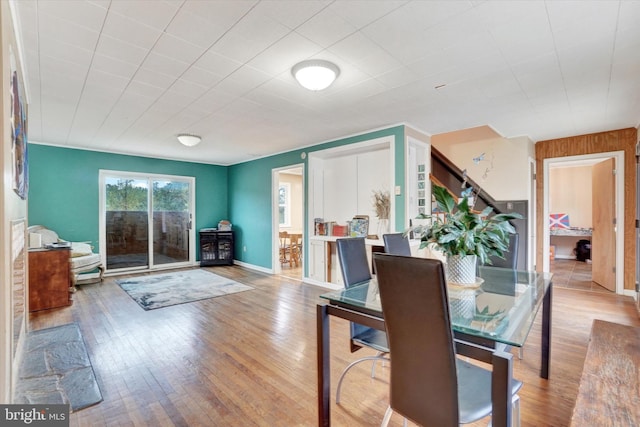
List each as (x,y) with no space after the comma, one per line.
(146,220)
(171,221)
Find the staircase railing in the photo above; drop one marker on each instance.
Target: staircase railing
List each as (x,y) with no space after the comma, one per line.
(451,177)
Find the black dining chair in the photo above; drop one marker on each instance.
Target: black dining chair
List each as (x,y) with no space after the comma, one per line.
(352,255)
(396,244)
(429,385)
(510,259)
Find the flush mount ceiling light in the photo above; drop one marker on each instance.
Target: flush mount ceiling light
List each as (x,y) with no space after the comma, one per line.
(188,139)
(315,74)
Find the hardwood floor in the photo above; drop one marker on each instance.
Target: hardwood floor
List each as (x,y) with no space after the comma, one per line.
(249,359)
(569,273)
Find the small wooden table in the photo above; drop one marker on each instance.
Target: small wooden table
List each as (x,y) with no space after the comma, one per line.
(609,391)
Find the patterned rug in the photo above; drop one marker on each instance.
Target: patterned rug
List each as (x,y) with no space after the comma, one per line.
(179,287)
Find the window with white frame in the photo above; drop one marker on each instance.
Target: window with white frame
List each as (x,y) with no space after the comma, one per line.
(284,204)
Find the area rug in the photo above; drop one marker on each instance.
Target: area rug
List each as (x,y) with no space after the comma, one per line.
(179,287)
(56,369)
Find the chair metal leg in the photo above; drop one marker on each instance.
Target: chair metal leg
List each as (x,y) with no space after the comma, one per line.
(373,365)
(516,411)
(351,365)
(387,417)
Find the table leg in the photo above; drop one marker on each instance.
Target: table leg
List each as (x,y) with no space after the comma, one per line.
(546,333)
(501,378)
(324,371)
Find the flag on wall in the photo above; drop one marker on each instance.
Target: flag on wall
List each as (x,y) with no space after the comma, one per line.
(558,220)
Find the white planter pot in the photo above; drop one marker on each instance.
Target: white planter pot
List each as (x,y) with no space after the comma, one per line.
(461,269)
(462,302)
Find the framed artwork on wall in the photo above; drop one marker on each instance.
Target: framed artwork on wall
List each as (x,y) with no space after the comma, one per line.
(18,134)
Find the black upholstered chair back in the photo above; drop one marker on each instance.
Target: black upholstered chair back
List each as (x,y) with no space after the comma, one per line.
(423,382)
(352,255)
(396,244)
(510,257)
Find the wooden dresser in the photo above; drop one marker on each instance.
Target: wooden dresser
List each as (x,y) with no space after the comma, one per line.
(49,278)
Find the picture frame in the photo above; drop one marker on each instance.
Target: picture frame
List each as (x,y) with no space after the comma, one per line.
(359,226)
(20,164)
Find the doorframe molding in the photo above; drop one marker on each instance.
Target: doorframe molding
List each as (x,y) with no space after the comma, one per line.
(619,208)
(275,224)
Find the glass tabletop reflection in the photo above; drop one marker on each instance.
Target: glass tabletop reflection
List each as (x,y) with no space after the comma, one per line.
(501,306)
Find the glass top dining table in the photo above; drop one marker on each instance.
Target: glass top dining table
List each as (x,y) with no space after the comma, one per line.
(500,307)
(488,318)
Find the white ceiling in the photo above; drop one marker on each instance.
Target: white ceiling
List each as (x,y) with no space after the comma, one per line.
(127,76)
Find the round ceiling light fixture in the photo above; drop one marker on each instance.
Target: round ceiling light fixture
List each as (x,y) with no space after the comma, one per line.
(189,139)
(315,74)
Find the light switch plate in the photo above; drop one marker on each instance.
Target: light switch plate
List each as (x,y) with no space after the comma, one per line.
(398,190)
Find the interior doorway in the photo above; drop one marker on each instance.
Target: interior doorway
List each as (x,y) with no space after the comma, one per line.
(583,236)
(288,221)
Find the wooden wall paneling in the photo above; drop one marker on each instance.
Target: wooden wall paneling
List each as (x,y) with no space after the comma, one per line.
(602,142)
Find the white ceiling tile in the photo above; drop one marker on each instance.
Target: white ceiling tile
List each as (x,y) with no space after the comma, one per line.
(222,14)
(595,21)
(250,36)
(397,77)
(196,30)
(326,28)
(187,88)
(106,82)
(51,68)
(66,52)
(164,65)
(83,14)
(629,15)
(291,13)
(140,88)
(67,32)
(131,31)
(110,65)
(361,13)
(217,64)
(96,94)
(156,15)
(352,95)
(178,49)
(284,54)
(212,101)
(121,50)
(201,77)
(242,81)
(153,78)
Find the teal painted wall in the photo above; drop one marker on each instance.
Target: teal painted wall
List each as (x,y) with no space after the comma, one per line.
(64,189)
(250,195)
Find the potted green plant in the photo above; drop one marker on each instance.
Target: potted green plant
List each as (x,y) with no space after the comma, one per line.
(463,235)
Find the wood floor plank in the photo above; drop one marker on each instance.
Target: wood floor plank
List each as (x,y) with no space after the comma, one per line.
(249,359)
